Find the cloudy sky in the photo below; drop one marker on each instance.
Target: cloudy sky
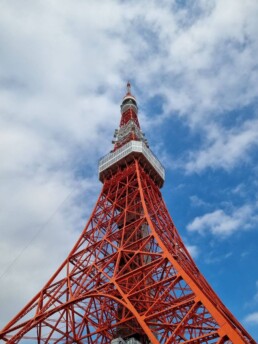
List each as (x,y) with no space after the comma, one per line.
(194,71)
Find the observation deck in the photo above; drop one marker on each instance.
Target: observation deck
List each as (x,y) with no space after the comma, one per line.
(125,154)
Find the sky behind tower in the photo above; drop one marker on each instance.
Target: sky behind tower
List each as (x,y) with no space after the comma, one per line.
(194,71)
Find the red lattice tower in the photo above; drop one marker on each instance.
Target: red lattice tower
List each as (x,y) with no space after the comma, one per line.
(129,278)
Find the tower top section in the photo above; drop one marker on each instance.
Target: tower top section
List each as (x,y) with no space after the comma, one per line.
(129,98)
(130,144)
(129,108)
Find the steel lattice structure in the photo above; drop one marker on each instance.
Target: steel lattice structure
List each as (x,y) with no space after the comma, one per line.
(129,275)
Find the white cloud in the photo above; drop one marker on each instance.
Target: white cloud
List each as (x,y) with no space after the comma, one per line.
(207,66)
(57,115)
(62,69)
(198,202)
(193,250)
(224,148)
(251,318)
(41,219)
(220,223)
(206,63)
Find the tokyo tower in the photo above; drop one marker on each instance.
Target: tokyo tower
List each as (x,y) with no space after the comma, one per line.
(129,278)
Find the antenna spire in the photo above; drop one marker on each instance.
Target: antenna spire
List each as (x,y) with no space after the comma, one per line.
(128,86)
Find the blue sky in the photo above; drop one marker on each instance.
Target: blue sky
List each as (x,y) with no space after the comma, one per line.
(194,71)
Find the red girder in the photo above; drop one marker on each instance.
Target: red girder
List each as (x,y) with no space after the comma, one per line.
(129,273)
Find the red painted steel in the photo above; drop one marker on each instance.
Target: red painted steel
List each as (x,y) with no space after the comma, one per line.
(129,274)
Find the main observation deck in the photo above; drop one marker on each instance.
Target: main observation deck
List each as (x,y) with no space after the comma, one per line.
(133,149)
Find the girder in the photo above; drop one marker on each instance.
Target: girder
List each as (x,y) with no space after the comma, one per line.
(129,277)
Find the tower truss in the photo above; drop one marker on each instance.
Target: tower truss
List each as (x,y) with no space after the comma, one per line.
(129,278)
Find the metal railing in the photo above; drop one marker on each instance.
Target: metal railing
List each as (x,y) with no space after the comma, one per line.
(128,106)
(130,147)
